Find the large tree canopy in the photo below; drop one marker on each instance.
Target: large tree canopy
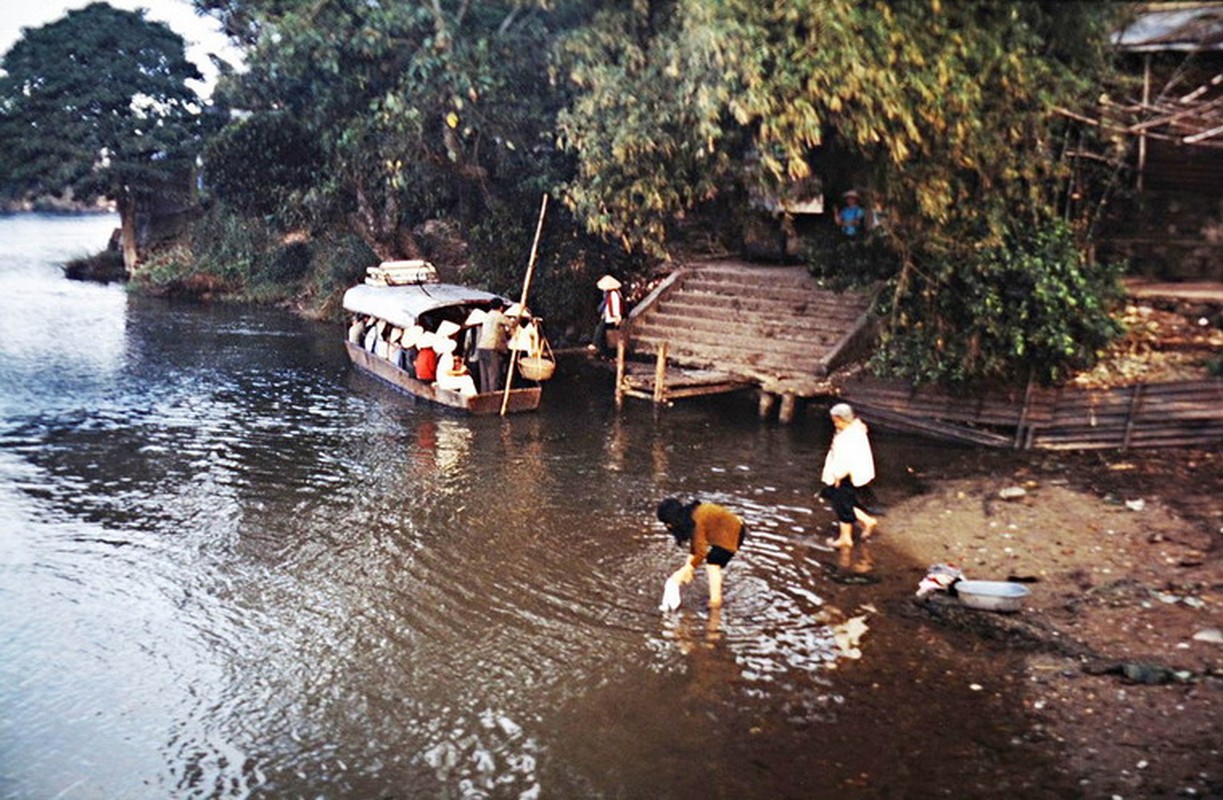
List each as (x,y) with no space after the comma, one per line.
(945,107)
(946,111)
(97,103)
(641,112)
(418,109)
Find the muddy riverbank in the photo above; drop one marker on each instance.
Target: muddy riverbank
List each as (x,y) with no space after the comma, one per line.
(1122,667)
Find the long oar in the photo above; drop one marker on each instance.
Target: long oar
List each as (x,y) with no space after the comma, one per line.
(522,304)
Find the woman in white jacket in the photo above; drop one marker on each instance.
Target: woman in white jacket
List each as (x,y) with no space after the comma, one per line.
(848,467)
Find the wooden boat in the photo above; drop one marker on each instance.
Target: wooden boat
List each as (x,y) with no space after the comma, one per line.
(404,294)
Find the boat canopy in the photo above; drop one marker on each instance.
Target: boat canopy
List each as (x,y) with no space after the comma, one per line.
(402,305)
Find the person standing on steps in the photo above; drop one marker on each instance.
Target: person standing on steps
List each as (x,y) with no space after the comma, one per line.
(851,218)
(848,468)
(611,314)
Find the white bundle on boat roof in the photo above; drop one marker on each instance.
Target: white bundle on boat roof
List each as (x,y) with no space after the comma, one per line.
(401,273)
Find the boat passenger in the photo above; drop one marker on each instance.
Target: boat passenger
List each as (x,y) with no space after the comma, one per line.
(492,347)
(471,340)
(356,330)
(409,351)
(425,366)
(394,346)
(372,334)
(381,345)
(454,376)
(525,338)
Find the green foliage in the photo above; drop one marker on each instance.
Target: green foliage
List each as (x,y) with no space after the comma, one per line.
(944,110)
(262,164)
(1030,306)
(286,265)
(339,261)
(230,246)
(843,262)
(415,109)
(568,264)
(96,102)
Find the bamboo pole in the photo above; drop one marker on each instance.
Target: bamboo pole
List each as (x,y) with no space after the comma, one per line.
(526,288)
(620,373)
(660,375)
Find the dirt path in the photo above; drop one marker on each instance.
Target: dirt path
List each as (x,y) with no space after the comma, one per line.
(1124,674)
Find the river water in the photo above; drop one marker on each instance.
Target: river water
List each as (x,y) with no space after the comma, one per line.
(232,566)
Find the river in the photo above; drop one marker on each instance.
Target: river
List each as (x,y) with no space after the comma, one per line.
(231,566)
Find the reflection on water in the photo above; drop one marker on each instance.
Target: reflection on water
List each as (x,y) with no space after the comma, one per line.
(232,566)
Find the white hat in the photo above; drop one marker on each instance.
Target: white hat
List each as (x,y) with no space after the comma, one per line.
(447,329)
(412,336)
(427,340)
(841,411)
(476,316)
(607,283)
(443,345)
(517,310)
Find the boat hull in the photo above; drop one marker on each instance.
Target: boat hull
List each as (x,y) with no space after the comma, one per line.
(523,399)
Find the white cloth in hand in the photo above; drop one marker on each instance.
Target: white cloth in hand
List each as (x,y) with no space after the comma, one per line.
(670,596)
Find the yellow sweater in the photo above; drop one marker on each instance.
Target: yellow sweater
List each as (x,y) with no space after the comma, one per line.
(713,525)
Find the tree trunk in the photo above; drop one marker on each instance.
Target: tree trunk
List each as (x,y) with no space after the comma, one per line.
(127,224)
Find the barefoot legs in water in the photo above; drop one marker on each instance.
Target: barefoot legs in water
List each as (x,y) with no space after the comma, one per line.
(868,523)
(714,573)
(846,539)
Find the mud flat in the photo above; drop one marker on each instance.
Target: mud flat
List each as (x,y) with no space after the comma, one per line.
(1121,634)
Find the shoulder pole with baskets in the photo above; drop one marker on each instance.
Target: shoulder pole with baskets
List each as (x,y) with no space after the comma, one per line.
(540,365)
(526,286)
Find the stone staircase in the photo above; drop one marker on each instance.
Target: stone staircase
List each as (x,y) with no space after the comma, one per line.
(768,324)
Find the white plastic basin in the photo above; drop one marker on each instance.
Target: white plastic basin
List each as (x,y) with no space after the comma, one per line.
(992,595)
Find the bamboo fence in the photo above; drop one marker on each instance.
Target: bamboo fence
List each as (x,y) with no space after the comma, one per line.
(1187,413)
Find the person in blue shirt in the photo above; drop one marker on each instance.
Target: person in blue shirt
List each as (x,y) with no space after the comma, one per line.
(851,218)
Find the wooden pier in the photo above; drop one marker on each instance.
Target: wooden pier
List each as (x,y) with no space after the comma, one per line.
(663,384)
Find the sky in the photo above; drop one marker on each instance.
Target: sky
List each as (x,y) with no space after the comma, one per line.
(202,35)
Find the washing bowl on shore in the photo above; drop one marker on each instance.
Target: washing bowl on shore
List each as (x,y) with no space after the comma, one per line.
(992,595)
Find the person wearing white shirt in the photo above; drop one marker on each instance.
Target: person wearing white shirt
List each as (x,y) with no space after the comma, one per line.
(848,468)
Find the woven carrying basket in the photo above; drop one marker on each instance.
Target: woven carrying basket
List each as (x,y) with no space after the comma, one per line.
(538,367)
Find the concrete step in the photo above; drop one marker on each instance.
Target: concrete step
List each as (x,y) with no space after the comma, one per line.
(788,335)
(762,289)
(750,320)
(753,276)
(819,311)
(728,358)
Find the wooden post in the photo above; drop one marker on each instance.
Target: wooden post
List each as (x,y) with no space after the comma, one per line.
(785,414)
(1023,412)
(526,287)
(1135,405)
(620,373)
(765,407)
(660,375)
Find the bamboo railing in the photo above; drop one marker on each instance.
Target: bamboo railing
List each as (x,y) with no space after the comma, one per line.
(1188,413)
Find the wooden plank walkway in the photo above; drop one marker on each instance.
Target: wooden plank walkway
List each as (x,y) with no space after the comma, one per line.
(663,383)
(1185,413)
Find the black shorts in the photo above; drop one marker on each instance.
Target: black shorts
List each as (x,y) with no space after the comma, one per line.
(844,499)
(720,556)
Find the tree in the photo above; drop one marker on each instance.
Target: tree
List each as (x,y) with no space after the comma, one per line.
(97,103)
(418,110)
(946,111)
